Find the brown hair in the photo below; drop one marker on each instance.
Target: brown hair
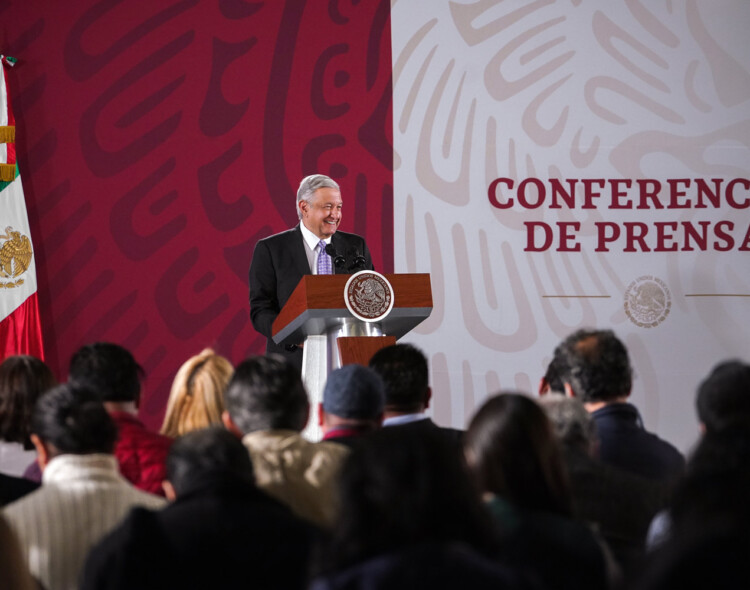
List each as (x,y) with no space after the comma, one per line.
(197,396)
(513,453)
(22,380)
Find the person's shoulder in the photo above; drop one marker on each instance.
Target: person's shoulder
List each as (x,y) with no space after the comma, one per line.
(347,237)
(282,236)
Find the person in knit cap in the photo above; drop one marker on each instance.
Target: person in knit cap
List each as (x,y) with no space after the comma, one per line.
(353,404)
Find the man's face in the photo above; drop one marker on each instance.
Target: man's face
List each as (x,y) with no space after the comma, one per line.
(322,214)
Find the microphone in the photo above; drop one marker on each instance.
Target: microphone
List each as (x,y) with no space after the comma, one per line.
(338,259)
(357,258)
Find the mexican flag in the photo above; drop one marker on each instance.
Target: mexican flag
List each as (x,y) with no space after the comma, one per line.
(20,330)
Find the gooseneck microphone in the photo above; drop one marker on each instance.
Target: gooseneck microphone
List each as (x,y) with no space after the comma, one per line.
(358,261)
(338,259)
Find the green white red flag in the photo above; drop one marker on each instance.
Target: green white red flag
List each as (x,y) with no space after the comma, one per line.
(20,328)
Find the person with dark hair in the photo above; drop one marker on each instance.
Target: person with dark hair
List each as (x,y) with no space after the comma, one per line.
(409,518)
(551,381)
(114,375)
(22,380)
(353,400)
(620,504)
(722,403)
(403,368)
(512,451)
(219,531)
(596,369)
(267,405)
(709,518)
(83,496)
(723,398)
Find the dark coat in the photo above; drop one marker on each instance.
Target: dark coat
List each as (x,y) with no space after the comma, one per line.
(625,444)
(222,534)
(14,488)
(278,264)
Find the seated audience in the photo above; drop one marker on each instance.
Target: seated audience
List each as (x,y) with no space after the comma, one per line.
(620,504)
(723,398)
(267,406)
(403,368)
(353,400)
(197,397)
(409,518)
(22,380)
(13,570)
(709,518)
(220,531)
(514,456)
(722,402)
(595,368)
(113,374)
(83,496)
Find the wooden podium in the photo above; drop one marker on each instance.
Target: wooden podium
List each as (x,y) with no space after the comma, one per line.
(316,315)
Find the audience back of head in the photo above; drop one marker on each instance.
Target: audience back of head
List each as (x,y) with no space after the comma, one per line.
(196,399)
(109,370)
(403,368)
(22,380)
(514,454)
(596,365)
(70,419)
(207,454)
(266,393)
(723,398)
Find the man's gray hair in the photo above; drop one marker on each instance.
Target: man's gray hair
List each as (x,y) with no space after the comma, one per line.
(310,184)
(573,425)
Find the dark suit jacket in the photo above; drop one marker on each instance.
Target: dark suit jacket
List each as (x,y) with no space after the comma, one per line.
(278,264)
(13,488)
(624,443)
(224,533)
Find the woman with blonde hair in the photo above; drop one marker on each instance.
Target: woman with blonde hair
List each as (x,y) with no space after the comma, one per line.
(197,396)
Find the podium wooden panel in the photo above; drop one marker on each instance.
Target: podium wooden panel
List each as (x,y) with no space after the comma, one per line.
(316,314)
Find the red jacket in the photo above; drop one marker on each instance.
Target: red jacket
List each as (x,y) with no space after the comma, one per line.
(141,453)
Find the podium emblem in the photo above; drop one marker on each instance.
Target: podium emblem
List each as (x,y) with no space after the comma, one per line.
(368,296)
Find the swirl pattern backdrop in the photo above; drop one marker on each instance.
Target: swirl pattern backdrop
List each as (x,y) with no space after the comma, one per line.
(158,141)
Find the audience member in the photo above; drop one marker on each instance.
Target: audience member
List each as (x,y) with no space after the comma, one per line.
(515,458)
(709,518)
(552,382)
(220,531)
(22,380)
(353,401)
(267,405)
(409,518)
(722,402)
(596,369)
(83,496)
(113,374)
(403,368)
(197,396)
(618,503)
(13,570)
(723,398)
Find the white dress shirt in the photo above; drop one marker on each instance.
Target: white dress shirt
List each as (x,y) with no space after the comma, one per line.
(311,247)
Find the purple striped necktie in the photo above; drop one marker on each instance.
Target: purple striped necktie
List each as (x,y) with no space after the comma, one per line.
(324,260)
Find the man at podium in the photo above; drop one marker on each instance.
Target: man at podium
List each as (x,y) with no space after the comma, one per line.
(314,246)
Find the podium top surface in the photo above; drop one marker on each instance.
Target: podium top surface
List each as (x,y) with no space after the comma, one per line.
(317,307)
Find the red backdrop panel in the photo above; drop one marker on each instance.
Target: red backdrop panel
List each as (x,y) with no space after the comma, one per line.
(158,141)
